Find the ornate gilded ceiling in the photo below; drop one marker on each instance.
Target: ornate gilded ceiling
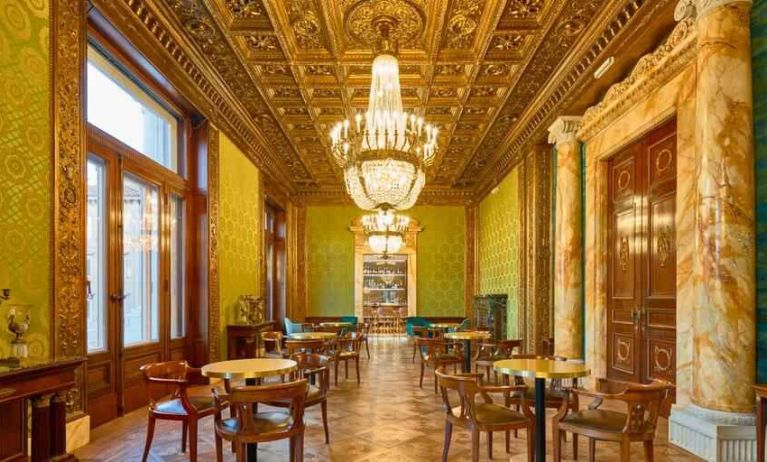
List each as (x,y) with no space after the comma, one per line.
(485,71)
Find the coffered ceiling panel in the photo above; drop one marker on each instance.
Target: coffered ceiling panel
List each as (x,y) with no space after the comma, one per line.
(477,69)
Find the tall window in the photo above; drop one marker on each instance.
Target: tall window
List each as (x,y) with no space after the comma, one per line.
(122,109)
(96,258)
(177,266)
(141,261)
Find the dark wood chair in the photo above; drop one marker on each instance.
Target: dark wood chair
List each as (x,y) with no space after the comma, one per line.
(364,331)
(483,416)
(180,406)
(315,369)
(272,342)
(438,354)
(638,423)
(418,332)
(251,427)
(347,348)
(304,346)
(490,352)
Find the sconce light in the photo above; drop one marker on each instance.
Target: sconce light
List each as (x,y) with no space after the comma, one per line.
(5,294)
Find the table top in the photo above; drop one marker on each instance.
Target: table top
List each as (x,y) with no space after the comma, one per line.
(248,368)
(335,324)
(444,325)
(468,335)
(761,390)
(541,368)
(312,335)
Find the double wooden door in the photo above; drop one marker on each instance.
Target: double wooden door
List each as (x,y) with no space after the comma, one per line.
(641,286)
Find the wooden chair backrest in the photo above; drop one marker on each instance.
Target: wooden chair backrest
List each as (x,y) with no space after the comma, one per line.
(159,376)
(243,398)
(313,364)
(294,346)
(644,402)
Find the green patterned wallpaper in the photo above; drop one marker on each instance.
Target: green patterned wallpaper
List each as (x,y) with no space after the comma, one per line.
(441,257)
(25,169)
(498,248)
(330,260)
(239,230)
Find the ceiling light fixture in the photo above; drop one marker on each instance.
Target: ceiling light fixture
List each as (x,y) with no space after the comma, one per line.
(385,151)
(385,231)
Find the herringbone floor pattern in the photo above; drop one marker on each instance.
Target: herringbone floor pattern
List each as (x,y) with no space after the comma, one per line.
(387,418)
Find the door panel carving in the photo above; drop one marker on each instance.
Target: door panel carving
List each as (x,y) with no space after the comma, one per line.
(641,289)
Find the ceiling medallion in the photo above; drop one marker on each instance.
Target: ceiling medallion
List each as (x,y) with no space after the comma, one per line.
(385,231)
(360,21)
(384,152)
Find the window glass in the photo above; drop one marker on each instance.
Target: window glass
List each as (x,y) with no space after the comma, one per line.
(96,245)
(177,273)
(141,262)
(121,108)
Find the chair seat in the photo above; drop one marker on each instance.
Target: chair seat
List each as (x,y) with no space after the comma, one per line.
(493,414)
(263,423)
(174,406)
(446,357)
(609,421)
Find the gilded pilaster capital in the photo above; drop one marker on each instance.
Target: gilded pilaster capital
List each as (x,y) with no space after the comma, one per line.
(564,130)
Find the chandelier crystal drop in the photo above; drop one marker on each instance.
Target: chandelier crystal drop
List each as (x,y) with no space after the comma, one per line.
(385,151)
(385,231)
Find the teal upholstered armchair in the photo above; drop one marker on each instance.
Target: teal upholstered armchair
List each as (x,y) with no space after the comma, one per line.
(463,326)
(350,319)
(292,327)
(415,321)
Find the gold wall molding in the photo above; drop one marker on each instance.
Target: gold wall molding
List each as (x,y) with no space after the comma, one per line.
(650,72)
(68,38)
(429,196)
(214,283)
(296,253)
(537,315)
(471,259)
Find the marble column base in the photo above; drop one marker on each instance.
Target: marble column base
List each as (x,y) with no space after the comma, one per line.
(713,435)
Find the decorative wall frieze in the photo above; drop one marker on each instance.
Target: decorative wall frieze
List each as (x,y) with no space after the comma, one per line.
(564,130)
(676,52)
(429,196)
(68,38)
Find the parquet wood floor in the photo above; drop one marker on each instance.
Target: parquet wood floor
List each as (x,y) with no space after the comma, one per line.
(387,418)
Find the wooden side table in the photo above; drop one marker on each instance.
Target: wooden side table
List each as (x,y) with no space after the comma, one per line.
(243,340)
(761,414)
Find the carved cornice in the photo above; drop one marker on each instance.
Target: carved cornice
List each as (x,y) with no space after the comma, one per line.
(564,130)
(430,196)
(650,71)
(704,7)
(561,88)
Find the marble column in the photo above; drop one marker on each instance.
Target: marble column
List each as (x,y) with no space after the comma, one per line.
(724,330)
(719,423)
(568,243)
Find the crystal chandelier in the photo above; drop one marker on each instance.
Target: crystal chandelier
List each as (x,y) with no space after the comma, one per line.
(385,231)
(384,152)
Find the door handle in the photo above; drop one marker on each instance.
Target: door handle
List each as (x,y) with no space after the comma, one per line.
(118,297)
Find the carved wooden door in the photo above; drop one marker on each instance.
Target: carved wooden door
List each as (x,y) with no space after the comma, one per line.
(641,285)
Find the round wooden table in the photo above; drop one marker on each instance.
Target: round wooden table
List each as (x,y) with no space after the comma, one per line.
(340,325)
(540,370)
(467,336)
(250,370)
(312,335)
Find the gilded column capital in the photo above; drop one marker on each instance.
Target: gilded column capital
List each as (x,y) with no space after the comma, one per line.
(564,130)
(699,8)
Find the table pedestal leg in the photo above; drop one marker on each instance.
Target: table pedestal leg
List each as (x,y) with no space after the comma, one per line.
(252,455)
(540,420)
(760,422)
(467,359)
